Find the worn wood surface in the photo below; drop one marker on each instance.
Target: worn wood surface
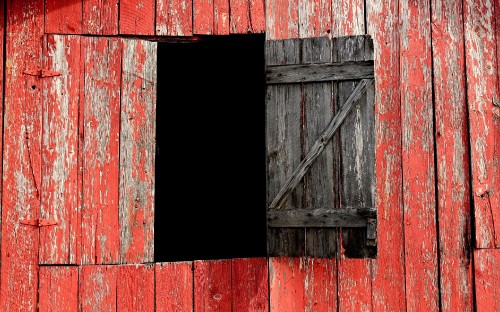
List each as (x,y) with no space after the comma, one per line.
(250,288)
(315,18)
(58,289)
(320,217)
(98,288)
(174,17)
(348,18)
(282,19)
(354,278)
(137,17)
(100,17)
(247,16)
(63,16)
(487,279)
(212,285)
(174,286)
(136,288)
(203,17)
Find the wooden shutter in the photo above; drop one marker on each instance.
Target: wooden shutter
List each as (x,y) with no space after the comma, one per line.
(320,147)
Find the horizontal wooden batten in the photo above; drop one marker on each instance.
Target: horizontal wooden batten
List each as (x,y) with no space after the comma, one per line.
(321,217)
(350,70)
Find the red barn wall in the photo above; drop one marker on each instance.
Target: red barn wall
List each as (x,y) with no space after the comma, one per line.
(437,162)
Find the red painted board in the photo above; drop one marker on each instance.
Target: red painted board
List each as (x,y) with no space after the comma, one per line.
(388,275)
(257,16)
(58,290)
(355,289)
(22,133)
(137,17)
(452,147)
(348,17)
(98,288)
(315,18)
(484,115)
(212,285)
(240,17)
(101,122)
(59,244)
(282,19)
(221,17)
(250,284)
(174,286)
(203,17)
(136,288)
(174,17)
(100,17)
(63,16)
(487,279)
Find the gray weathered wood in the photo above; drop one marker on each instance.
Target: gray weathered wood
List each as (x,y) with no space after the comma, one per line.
(320,217)
(354,70)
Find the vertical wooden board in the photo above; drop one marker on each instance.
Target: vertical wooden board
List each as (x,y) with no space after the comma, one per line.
(419,200)
(137,151)
(174,17)
(212,285)
(174,286)
(63,16)
(58,289)
(97,288)
(137,17)
(100,225)
(283,143)
(320,285)
(487,279)
(286,284)
(315,18)
(452,156)
(484,111)
(61,103)
(240,17)
(321,179)
(257,16)
(136,288)
(203,17)
(348,17)
(221,17)
(100,17)
(388,276)
(355,285)
(250,287)
(22,135)
(282,19)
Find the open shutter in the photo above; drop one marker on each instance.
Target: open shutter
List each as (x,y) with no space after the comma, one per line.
(320,147)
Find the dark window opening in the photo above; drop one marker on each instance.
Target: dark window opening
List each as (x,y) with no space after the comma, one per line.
(210,187)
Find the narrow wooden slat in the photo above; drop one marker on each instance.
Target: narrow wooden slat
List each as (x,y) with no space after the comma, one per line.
(61,104)
(257,16)
(240,17)
(136,288)
(137,151)
(63,16)
(203,17)
(315,18)
(97,288)
(212,285)
(221,17)
(174,286)
(487,279)
(282,19)
(249,280)
(100,17)
(348,17)
(355,283)
(174,17)
(320,285)
(453,178)
(348,70)
(137,17)
(58,290)
(320,218)
(22,136)
(100,225)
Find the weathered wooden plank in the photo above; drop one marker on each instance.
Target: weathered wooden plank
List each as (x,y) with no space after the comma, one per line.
(98,288)
(388,279)
(212,285)
(354,278)
(348,70)
(58,290)
(137,17)
(282,19)
(22,133)
(63,16)
(100,225)
(257,16)
(283,127)
(174,17)
(320,217)
(221,17)
(136,287)
(247,16)
(174,286)
(484,111)
(100,17)
(320,285)
(137,151)
(61,104)
(487,279)
(249,280)
(452,156)
(315,18)
(203,17)
(348,18)
(419,198)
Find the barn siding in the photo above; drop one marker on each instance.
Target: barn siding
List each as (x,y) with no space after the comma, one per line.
(436,71)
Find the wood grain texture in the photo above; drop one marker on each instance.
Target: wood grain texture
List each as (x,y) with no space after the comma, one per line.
(137,151)
(203,17)
(484,112)
(137,17)
(257,16)
(98,288)
(100,17)
(221,17)
(174,17)
(247,16)
(487,279)
(63,16)
(136,288)
(348,17)
(249,280)
(21,183)
(452,156)
(212,285)
(315,18)
(58,289)
(355,285)
(388,275)
(419,200)
(100,225)
(282,19)
(60,244)
(319,217)
(174,286)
